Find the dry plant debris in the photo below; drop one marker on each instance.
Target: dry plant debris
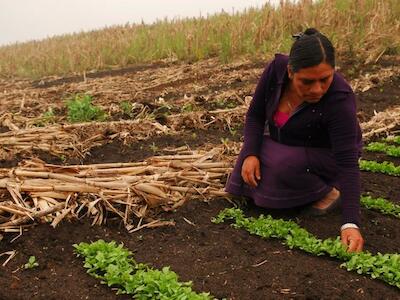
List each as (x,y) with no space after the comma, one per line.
(31,99)
(50,193)
(369,80)
(74,139)
(383,123)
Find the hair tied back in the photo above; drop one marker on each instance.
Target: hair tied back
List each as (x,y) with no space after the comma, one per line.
(298,36)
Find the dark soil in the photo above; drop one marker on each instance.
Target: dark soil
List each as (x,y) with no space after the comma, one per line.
(217,258)
(378,99)
(43,83)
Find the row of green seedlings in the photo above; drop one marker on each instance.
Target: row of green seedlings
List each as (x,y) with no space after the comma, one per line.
(114,265)
(382,205)
(385,167)
(80,109)
(390,148)
(385,267)
(386,146)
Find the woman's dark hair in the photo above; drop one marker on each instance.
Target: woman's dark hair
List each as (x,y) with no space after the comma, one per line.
(310,49)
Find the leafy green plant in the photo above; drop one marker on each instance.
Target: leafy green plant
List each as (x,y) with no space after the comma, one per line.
(225,103)
(126,108)
(154,147)
(382,205)
(114,265)
(385,267)
(47,117)
(384,167)
(81,109)
(32,263)
(384,148)
(393,139)
(187,107)
(225,141)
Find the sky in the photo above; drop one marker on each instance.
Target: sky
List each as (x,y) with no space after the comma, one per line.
(24,20)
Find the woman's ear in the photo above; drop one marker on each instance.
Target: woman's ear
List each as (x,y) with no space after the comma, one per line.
(290,72)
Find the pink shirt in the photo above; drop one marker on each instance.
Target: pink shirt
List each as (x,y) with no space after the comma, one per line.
(280,118)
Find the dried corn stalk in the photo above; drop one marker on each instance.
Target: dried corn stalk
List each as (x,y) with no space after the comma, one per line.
(40,192)
(383,123)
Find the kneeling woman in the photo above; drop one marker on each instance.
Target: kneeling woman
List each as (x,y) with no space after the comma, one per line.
(302,140)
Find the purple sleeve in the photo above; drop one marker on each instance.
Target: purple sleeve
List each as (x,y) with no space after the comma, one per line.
(255,117)
(343,131)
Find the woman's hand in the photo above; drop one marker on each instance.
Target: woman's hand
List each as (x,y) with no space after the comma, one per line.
(251,170)
(352,239)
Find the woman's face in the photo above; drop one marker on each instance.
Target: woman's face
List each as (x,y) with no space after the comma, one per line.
(311,83)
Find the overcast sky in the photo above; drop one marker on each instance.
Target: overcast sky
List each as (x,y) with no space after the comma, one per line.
(23,20)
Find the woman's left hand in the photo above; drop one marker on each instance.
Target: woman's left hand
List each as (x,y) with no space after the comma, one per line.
(352,239)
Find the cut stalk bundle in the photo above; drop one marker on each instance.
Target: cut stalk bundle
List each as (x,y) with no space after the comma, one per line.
(43,192)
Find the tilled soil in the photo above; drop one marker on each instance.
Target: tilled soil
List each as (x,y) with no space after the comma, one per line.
(217,258)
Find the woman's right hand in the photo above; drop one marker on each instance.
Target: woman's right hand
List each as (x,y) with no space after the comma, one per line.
(251,170)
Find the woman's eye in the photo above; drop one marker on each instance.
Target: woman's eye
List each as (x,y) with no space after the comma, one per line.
(307,82)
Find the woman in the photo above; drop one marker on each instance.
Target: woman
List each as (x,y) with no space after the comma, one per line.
(302,140)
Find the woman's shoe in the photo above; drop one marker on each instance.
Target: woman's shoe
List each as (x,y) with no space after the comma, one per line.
(315,211)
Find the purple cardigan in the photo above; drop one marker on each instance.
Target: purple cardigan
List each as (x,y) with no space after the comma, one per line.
(330,123)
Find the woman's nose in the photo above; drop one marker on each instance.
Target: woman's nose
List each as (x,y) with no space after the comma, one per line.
(316,88)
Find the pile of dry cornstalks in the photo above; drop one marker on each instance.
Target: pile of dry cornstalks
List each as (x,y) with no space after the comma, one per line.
(50,193)
(383,123)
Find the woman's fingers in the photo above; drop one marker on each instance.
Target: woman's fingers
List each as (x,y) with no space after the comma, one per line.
(258,172)
(251,171)
(352,245)
(352,240)
(248,177)
(252,179)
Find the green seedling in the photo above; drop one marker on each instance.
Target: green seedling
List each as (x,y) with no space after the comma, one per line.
(81,109)
(126,108)
(225,141)
(232,131)
(187,107)
(32,263)
(225,103)
(47,117)
(154,147)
